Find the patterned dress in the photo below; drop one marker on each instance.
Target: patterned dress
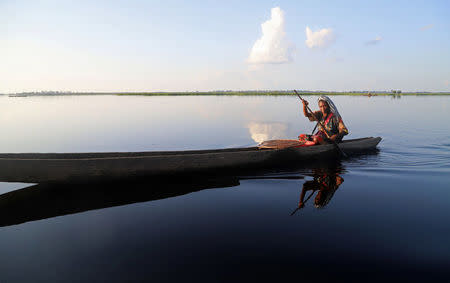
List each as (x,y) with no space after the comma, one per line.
(332,125)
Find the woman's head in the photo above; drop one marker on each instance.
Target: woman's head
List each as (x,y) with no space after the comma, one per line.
(324,107)
(331,108)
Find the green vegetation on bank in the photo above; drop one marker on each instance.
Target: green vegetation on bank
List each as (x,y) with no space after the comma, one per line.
(278,93)
(234,93)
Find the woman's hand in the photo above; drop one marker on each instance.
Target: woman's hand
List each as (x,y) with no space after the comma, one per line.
(305,103)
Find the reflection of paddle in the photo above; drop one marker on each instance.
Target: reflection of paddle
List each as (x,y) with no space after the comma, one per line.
(293,212)
(323,127)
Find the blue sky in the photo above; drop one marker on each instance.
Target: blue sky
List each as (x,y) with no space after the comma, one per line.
(207,45)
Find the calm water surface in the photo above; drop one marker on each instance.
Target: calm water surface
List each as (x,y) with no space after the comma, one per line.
(374,217)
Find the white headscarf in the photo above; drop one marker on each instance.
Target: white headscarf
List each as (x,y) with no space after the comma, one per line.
(333,107)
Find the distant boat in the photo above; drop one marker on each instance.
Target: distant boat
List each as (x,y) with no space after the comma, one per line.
(48,167)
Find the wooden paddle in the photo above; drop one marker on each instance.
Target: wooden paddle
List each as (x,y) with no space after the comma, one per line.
(323,127)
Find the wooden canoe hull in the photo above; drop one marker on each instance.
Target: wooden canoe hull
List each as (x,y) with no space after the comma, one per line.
(49,167)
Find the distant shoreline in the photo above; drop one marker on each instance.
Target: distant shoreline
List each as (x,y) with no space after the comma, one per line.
(229,93)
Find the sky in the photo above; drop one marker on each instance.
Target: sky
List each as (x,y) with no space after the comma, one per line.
(104,46)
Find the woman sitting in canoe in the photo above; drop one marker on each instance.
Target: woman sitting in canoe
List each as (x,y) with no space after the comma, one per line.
(328,116)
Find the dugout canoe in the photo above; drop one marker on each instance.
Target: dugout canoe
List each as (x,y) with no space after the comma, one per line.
(56,167)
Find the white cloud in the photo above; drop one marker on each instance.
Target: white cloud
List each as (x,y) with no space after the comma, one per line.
(273,47)
(319,39)
(375,41)
(427,27)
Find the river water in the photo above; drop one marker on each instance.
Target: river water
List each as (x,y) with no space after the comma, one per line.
(380,216)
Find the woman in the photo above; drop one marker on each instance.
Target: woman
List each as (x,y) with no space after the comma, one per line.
(329,116)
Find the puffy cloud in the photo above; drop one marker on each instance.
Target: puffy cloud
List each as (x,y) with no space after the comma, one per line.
(273,47)
(319,39)
(427,27)
(374,41)
(267,131)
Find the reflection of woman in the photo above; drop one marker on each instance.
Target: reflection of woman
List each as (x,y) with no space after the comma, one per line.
(326,183)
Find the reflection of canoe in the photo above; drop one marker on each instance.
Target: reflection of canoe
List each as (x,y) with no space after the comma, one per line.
(49,200)
(56,199)
(43,167)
